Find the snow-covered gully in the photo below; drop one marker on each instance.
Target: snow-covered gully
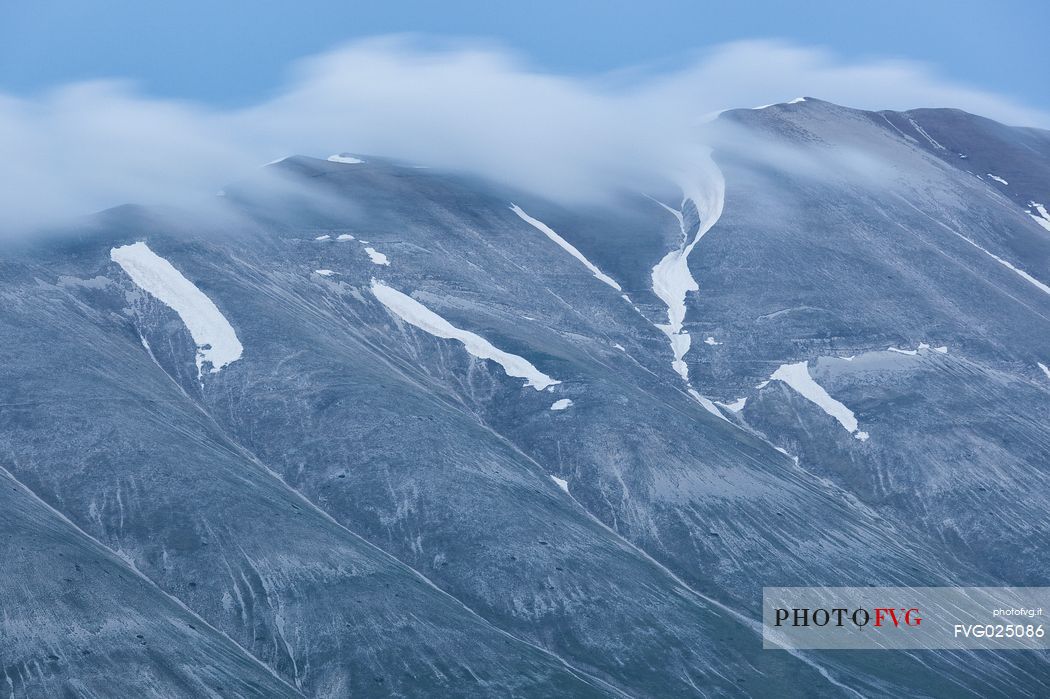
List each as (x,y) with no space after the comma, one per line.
(671,277)
(565,245)
(1005,263)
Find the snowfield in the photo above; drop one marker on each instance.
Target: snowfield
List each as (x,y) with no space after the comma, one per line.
(216,340)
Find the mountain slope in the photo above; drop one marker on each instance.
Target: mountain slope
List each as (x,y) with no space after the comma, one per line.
(459,443)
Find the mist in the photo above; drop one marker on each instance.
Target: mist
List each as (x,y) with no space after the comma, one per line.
(471,108)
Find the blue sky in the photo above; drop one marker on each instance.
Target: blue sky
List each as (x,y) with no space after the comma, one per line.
(235,52)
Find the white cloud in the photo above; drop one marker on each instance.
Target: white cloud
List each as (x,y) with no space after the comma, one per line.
(91,145)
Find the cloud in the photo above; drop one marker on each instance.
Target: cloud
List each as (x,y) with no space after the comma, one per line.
(91,145)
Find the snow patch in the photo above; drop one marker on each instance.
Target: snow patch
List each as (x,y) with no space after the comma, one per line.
(561,404)
(862,436)
(998,179)
(797,377)
(797,100)
(1040,216)
(1046,370)
(323,237)
(324,272)
(566,246)
(1020,272)
(943,349)
(707,403)
(347,159)
(736,406)
(216,340)
(377,257)
(345,236)
(925,135)
(711,341)
(414,313)
(562,483)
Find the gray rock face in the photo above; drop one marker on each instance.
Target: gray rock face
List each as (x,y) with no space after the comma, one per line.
(360,503)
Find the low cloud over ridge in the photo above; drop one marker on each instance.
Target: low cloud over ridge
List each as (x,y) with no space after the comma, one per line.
(87,146)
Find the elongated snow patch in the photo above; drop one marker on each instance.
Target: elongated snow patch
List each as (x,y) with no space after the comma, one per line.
(216,340)
(414,313)
(797,377)
(377,257)
(565,245)
(1016,270)
(561,404)
(346,159)
(1019,272)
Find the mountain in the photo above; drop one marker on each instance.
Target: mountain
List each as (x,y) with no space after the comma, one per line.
(387,430)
